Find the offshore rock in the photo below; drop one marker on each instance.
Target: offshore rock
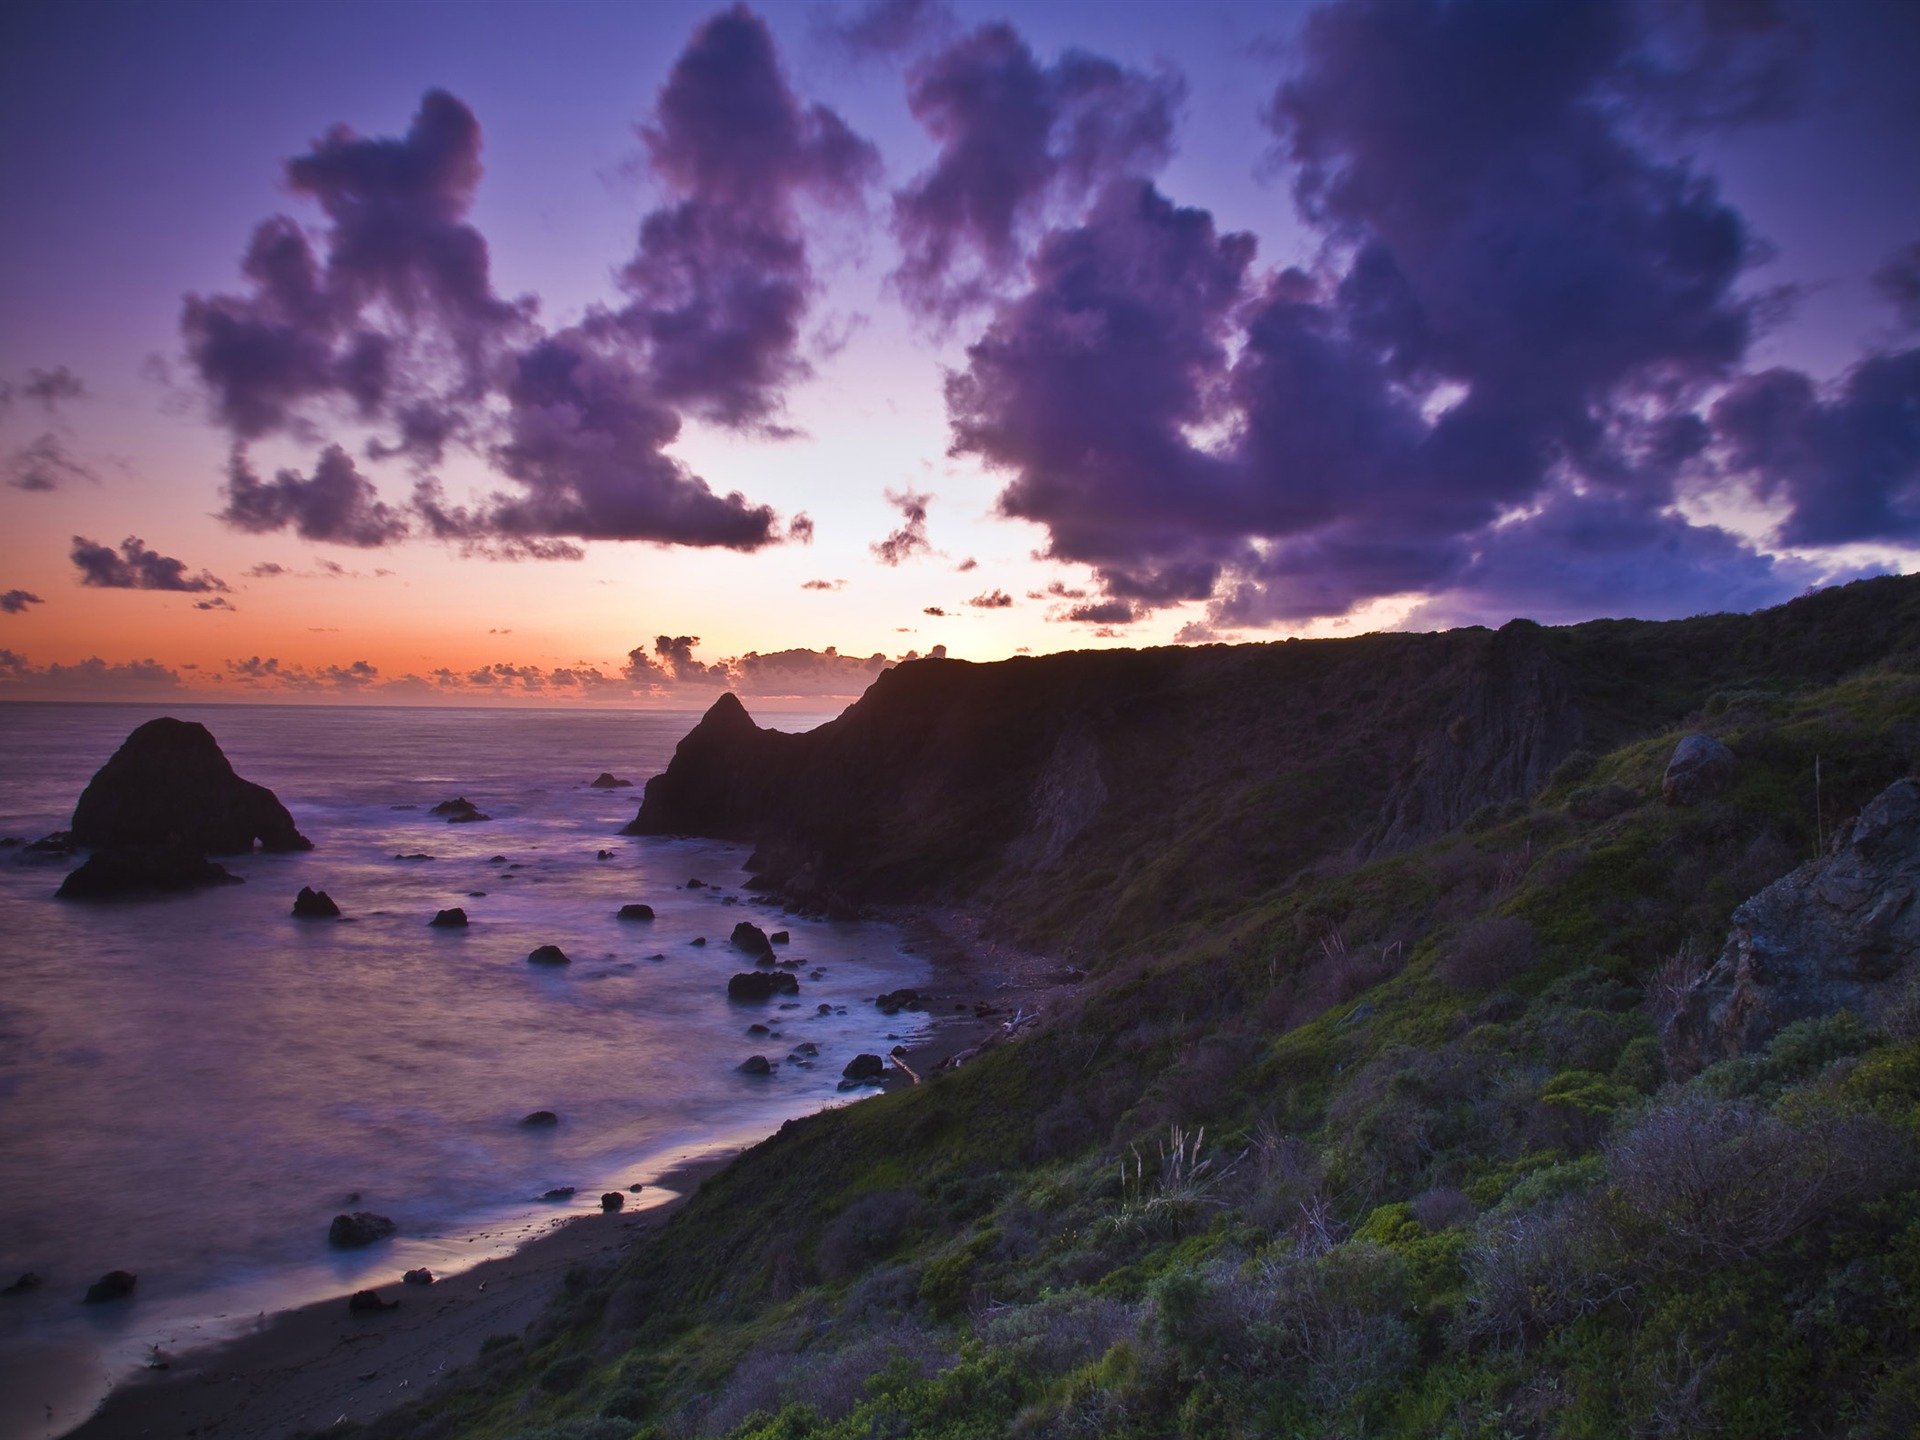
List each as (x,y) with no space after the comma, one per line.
(1839,933)
(169,784)
(606,780)
(363,1227)
(114,1285)
(636,912)
(312,904)
(1700,769)
(549,955)
(453,919)
(142,870)
(761,985)
(366,1300)
(751,938)
(459,811)
(755,1065)
(865,1067)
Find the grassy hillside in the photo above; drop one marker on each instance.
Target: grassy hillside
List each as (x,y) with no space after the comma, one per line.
(1377,1149)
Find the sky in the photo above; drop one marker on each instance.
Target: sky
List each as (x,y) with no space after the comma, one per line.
(614,353)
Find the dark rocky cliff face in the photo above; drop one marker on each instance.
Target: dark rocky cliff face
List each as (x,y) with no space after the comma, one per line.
(1124,778)
(170,785)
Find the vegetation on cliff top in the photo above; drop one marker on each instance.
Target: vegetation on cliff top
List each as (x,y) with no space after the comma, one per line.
(1386,1149)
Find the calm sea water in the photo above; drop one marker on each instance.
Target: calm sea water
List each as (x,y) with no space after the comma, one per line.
(191,1087)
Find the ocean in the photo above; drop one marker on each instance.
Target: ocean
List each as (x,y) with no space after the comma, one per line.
(191,1087)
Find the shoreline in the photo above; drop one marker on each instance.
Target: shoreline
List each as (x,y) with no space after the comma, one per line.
(312,1366)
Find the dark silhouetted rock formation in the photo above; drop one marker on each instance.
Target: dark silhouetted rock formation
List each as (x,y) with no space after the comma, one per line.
(312,904)
(459,811)
(1700,769)
(421,1276)
(364,1301)
(755,1065)
(751,938)
(605,780)
(541,1118)
(549,955)
(865,1067)
(453,919)
(363,1227)
(1839,933)
(143,870)
(761,985)
(114,1285)
(636,912)
(169,785)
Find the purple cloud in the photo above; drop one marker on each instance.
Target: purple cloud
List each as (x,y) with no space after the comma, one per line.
(45,464)
(1018,141)
(15,602)
(136,567)
(910,538)
(338,503)
(992,600)
(889,27)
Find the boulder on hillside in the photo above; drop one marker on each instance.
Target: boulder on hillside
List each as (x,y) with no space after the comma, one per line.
(142,870)
(751,938)
(1840,933)
(312,904)
(1700,769)
(363,1227)
(459,811)
(761,985)
(170,785)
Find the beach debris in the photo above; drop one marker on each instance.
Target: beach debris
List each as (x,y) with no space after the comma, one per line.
(452,919)
(559,1192)
(459,811)
(541,1117)
(548,955)
(612,1200)
(755,1065)
(761,985)
(312,904)
(362,1227)
(606,780)
(422,1276)
(864,1067)
(365,1300)
(29,1280)
(114,1285)
(635,912)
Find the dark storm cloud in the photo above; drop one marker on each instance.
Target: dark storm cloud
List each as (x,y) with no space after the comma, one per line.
(911,538)
(135,567)
(1846,463)
(1018,140)
(1519,295)
(400,311)
(1899,281)
(15,602)
(338,503)
(45,464)
(392,319)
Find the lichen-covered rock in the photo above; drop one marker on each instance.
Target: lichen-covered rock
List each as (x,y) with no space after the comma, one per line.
(1700,769)
(170,785)
(1839,933)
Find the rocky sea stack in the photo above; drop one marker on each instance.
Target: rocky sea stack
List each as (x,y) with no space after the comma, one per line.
(170,785)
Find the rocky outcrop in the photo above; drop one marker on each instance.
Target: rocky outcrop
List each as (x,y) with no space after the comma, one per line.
(755,1065)
(865,1067)
(1839,933)
(635,912)
(143,870)
(361,1228)
(369,1301)
(451,919)
(762,985)
(170,785)
(540,1119)
(607,780)
(312,904)
(114,1285)
(751,938)
(1700,769)
(459,811)
(548,955)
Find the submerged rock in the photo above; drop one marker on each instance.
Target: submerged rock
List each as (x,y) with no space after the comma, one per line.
(459,811)
(894,1001)
(367,1300)
(143,870)
(549,955)
(559,1192)
(451,919)
(363,1227)
(636,912)
(114,1285)
(761,985)
(29,1280)
(605,780)
(311,904)
(755,1065)
(1839,933)
(170,785)
(1700,769)
(541,1117)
